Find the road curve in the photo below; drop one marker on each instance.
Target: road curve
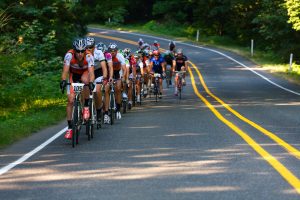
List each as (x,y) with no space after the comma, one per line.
(175,149)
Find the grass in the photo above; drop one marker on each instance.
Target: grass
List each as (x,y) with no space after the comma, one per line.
(29,101)
(266,60)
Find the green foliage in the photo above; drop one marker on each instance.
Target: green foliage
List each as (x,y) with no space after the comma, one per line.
(293,7)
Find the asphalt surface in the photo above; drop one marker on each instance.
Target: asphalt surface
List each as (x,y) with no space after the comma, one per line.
(172,149)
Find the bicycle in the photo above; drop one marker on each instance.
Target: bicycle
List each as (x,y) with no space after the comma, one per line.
(77,119)
(168,75)
(156,76)
(179,86)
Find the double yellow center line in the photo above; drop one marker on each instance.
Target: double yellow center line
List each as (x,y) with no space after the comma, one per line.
(280,168)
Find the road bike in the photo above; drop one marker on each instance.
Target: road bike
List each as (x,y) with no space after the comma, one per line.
(168,76)
(77,119)
(179,75)
(155,87)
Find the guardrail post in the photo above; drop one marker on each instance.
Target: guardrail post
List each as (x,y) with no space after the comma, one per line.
(252,47)
(291,62)
(197,37)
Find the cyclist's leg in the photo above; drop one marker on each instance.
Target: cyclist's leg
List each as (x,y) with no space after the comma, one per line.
(175,86)
(183,76)
(106,104)
(69,108)
(86,93)
(98,102)
(160,87)
(130,92)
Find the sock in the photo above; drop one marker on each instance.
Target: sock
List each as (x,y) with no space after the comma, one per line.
(69,124)
(86,102)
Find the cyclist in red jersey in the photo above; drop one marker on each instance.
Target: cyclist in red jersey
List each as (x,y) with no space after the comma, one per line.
(79,64)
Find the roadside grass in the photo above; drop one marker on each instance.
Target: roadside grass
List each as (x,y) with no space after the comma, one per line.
(266,60)
(28,101)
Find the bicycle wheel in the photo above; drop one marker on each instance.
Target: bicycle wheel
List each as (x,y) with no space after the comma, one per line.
(179,87)
(112,108)
(124,106)
(168,78)
(133,94)
(74,123)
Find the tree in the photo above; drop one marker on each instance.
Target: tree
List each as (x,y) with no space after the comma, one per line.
(293,7)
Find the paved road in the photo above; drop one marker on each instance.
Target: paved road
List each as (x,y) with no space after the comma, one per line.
(188,149)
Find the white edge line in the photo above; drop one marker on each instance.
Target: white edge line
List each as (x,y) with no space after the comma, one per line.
(31,153)
(212,50)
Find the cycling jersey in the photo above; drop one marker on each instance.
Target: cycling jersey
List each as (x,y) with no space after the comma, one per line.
(118,61)
(98,57)
(180,62)
(157,64)
(169,59)
(76,66)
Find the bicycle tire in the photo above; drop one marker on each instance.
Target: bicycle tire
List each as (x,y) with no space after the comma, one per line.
(133,94)
(74,123)
(124,106)
(111,113)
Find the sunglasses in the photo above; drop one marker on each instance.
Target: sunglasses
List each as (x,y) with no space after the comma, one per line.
(80,51)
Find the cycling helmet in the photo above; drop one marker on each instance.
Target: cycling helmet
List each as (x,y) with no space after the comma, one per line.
(79,44)
(90,42)
(146,53)
(112,47)
(101,46)
(127,52)
(179,51)
(121,52)
(156,53)
(156,44)
(141,41)
(172,45)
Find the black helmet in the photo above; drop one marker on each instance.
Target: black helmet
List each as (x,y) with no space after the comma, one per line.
(172,45)
(79,44)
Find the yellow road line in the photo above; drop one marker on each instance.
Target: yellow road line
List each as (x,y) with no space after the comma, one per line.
(295,152)
(280,168)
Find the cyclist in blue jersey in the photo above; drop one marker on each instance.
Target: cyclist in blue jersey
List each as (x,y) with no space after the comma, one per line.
(158,65)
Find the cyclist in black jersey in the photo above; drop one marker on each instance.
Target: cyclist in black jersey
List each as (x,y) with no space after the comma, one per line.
(180,64)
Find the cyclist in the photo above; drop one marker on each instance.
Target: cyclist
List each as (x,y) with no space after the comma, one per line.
(140,43)
(142,69)
(158,65)
(169,58)
(118,65)
(100,72)
(180,64)
(132,73)
(172,47)
(108,58)
(79,64)
(155,45)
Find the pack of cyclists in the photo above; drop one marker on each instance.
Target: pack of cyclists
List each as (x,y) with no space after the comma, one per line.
(100,66)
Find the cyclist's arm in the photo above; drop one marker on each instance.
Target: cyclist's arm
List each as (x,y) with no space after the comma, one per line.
(65,72)
(90,61)
(110,69)
(104,68)
(174,65)
(66,67)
